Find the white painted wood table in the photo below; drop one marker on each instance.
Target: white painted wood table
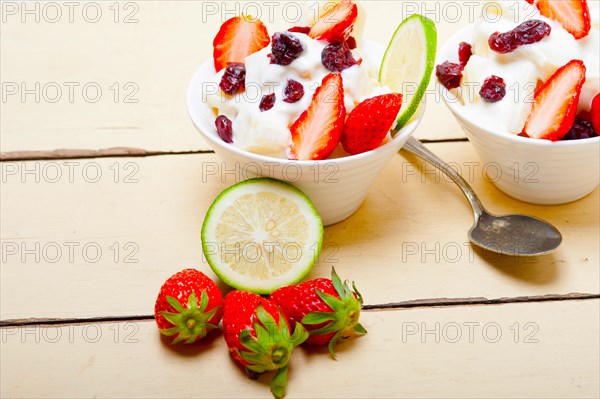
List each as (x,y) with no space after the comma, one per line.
(102,198)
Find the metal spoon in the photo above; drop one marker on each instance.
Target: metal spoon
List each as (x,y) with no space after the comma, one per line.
(519,235)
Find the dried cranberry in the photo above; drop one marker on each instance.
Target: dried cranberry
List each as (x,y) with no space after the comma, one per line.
(224,129)
(285,48)
(351,42)
(449,74)
(493,89)
(300,29)
(337,56)
(234,78)
(293,91)
(267,101)
(581,129)
(528,32)
(464,53)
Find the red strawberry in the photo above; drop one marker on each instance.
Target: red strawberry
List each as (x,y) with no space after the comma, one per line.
(595,117)
(555,103)
(188,306)
(337,23)
(300,29)
(238,38)
(369,123)
(317,131)
(328,309)
(573,15)
(258,336)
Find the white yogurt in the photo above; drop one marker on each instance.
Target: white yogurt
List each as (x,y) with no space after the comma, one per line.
(267,133)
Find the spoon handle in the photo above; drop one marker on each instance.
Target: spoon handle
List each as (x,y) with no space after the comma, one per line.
(414,146)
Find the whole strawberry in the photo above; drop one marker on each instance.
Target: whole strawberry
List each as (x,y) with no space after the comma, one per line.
(188,306)
(328,309)
(258,336)
(369,123)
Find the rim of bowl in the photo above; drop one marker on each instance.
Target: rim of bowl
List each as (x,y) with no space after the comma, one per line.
(194,94)
(445,54)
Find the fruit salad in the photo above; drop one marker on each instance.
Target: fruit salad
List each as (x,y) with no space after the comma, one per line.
(290,95)
(530,68)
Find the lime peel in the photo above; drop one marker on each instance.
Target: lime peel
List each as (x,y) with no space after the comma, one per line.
(409,59)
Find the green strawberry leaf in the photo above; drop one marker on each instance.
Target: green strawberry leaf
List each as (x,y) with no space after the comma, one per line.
(265,317)
(271,346)
(334,303)
(318,317)
(337,284)
(191,323)
(359,329)
(203,301)
(360,298)
(300,335)
(175,303)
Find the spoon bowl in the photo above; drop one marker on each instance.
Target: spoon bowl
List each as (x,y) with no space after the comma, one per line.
(518,235)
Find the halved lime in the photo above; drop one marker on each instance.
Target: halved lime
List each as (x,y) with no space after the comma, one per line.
(261,234)
(408,63)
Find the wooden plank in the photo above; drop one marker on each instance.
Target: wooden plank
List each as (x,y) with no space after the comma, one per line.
(150,54)
(517,350)
(52,68)
(408,241)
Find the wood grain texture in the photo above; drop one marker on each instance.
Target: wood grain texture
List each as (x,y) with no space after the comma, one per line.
(116,192)
(62,64)
(547,350)
(408,240)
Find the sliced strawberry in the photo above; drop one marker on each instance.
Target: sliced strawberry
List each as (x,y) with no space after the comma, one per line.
(573,15)
(300,29)
(555,103)
(369,123)
(337,23)
(238,38)
(317,131)
(595,117)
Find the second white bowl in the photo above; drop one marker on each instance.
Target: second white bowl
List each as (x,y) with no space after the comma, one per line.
(531,170)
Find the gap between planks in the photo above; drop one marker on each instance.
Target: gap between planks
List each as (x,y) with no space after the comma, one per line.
(122,152)
(116,152)
(418,303)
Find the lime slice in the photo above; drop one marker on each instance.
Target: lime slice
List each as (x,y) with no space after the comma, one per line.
(408,63)
(261,234)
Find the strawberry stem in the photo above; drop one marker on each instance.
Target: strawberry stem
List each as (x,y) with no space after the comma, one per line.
(344,315)
(189,323)
(279,383)
(273,345)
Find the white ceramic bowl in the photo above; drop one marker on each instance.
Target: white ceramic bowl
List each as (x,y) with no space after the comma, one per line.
(531,170)
(337,187)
